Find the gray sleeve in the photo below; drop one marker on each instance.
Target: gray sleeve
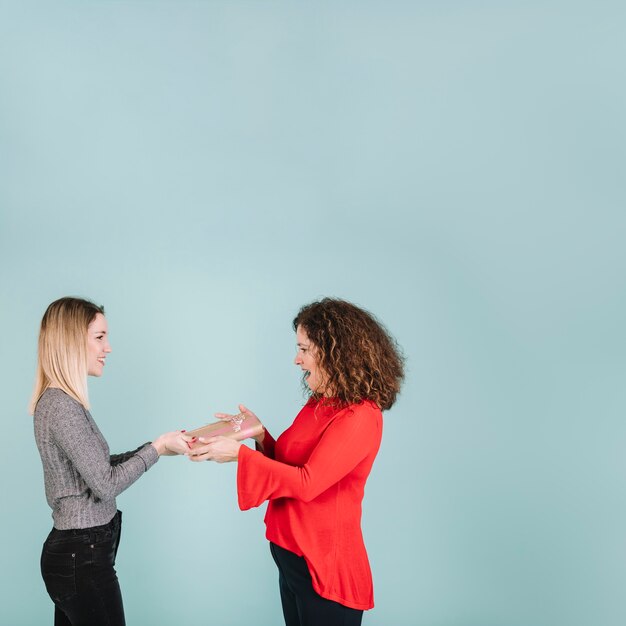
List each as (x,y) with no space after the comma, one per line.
(73,433)
(116,459)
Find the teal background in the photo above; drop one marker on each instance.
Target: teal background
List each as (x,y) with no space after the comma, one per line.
(205,168)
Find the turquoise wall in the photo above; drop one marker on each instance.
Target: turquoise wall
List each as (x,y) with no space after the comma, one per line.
(204,168)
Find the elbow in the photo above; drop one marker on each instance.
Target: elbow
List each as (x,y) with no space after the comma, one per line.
(103,490)
(307,496)
(100,493)
(309,490)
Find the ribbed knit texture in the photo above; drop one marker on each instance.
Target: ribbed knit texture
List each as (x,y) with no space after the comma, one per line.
(81,478)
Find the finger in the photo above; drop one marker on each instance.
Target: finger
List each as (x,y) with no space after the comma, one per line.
(224,416)
(186,440)
(199,450)
(209,440)
(200,454)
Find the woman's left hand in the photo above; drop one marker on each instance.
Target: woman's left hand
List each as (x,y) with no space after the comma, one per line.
(219,449)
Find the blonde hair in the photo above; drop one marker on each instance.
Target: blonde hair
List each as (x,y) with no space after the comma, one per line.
(62,349)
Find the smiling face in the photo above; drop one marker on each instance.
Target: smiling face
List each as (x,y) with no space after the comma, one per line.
(97,345)
(306,359)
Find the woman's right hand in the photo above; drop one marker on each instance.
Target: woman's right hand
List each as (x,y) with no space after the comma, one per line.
(170,444)
(248,413)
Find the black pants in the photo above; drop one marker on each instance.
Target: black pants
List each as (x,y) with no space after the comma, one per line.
(78,567)
(302,605)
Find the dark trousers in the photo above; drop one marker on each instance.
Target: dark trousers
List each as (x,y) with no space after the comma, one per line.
(78,567)
(302,605)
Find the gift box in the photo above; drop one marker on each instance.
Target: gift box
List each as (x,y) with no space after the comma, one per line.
(237,427)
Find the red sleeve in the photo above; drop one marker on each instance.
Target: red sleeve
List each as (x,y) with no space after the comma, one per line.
(269,445)
(343,445)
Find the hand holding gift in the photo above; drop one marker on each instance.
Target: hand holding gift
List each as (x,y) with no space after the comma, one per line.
(220,441)
(170,444)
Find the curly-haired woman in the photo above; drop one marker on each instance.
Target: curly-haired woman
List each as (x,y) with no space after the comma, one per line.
(314,474)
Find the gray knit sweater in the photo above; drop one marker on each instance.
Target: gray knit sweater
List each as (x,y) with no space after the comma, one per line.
(81,478)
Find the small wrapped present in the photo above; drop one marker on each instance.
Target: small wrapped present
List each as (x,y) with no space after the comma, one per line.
(238,427)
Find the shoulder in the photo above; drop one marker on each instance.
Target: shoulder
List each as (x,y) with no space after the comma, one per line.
(363,412)
(367,408)
(55,402)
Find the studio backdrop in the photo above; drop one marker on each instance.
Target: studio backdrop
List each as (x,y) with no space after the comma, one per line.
(204,168)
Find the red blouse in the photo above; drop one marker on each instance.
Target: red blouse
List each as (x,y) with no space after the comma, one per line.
(314,476)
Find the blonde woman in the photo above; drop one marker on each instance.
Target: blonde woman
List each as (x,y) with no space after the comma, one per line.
(81,478)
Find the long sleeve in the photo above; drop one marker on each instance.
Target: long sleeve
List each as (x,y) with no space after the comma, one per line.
(269,445)
(315,484)
(72,431)
(116,459)
(81,478)
(342,446)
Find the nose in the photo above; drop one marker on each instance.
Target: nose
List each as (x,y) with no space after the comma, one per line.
(107,347)
(298,359)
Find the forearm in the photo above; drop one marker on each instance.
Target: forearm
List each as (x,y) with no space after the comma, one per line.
(265,444)
(116,459)
(105,478)
(260,478)
(74,432)
(109,482)
(341,447)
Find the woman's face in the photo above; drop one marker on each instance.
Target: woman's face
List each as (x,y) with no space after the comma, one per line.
(306,359)
(97,345)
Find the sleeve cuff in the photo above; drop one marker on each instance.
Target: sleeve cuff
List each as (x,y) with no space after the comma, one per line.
(148,455)
(243,457)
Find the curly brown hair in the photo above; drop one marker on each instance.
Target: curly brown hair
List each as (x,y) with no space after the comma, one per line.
(360,359)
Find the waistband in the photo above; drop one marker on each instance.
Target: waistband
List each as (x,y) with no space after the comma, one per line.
(90,534)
